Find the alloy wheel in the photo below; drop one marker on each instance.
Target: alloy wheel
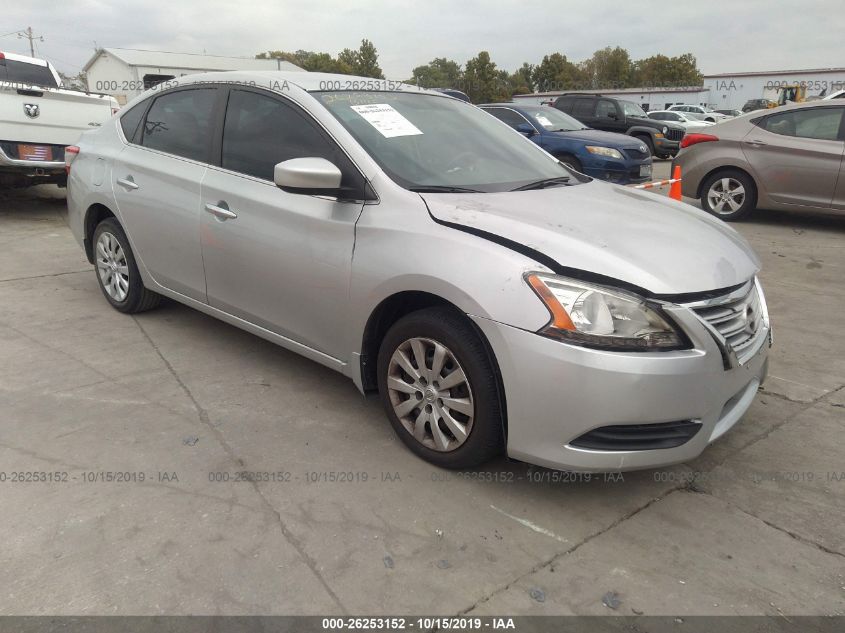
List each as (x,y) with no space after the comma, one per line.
(430,394)
(726,196)
(112,266)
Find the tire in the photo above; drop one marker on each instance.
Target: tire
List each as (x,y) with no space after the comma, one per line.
(420,398)
(114,260)
(739,203)
(570,161)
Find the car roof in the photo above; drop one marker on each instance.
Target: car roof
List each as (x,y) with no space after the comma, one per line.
(309,81)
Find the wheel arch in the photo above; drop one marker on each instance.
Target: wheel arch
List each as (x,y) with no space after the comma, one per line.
(95,214)
(398,305)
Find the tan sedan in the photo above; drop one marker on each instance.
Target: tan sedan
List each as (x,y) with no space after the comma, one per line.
(790,157)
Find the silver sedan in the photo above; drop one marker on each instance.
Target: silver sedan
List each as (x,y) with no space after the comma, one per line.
(498,301)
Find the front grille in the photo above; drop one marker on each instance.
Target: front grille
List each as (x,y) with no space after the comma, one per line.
(638,437)
(737,317)
(675,135)
(636,154)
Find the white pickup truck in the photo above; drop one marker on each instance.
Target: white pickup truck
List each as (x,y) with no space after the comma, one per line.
(38,119)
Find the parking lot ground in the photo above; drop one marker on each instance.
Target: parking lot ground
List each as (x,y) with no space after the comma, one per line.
(341,518)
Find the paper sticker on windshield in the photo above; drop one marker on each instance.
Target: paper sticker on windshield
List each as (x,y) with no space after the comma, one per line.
(386,120)
(543,120)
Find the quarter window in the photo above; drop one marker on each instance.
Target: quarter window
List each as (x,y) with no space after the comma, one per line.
(180,123)
(817,123)
(129,121)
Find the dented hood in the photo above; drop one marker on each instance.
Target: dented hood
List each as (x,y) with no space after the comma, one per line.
(655,243)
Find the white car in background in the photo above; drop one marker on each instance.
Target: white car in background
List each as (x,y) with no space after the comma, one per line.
(839,94)
(707,114)
(681,118)
(39,119)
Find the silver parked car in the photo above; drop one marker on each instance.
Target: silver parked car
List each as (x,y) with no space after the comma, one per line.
(496,300)
(789,157)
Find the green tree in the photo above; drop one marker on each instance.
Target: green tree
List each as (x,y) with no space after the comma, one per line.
(556,72)
(438,73)
(661,71)
(483,82)
(362,62)
(609,68)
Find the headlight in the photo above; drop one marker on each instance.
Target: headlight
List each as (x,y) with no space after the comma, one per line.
(603,151)
(604,318)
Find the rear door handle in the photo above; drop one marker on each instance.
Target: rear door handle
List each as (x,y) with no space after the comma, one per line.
(127,183)
(221,212)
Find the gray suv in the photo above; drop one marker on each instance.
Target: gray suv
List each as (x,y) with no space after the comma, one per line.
(496,300)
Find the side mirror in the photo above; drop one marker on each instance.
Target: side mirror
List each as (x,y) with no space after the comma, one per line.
(526,129)
(311,176)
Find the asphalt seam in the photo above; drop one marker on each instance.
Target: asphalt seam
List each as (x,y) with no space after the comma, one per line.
(203,418)
(794,535)
(542,565)
(70,272)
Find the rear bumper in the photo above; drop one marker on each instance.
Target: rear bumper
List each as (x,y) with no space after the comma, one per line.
(557,392)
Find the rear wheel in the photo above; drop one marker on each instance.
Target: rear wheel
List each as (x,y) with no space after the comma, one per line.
(729,194)
(117,272)
(439,389)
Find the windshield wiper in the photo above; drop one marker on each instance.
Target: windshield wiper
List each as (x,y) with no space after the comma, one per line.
(442,189)
(546,182)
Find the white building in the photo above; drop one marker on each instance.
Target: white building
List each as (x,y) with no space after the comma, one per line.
(125,73)
(647,98)
(732,90)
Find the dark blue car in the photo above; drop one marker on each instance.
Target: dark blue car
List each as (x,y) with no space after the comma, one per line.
(605,155)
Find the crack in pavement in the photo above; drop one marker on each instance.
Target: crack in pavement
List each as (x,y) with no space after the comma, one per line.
(268,507)
(69,272)
(575,547)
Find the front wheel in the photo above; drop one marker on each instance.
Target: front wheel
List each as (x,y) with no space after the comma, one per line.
(439,389)
(729,194)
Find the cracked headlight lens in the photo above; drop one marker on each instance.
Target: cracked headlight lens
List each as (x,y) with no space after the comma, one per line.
(603,318)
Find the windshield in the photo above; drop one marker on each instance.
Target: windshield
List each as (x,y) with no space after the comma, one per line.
(632,109)
(424,141)
(553,119)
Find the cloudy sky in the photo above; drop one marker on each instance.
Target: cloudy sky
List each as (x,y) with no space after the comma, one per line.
(725,35)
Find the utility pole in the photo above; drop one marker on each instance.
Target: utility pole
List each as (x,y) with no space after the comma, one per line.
(28,35)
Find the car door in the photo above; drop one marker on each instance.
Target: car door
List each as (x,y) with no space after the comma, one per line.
(797,154)
(278,260)
(156,180)
(611,117)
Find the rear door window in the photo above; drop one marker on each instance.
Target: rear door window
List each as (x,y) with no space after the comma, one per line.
(180,123)
(815,123)
(508,116)
(583,108)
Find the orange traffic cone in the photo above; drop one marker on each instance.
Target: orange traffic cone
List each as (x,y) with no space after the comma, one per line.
(675,187)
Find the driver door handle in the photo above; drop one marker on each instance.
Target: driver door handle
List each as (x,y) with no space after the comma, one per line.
(220,212)
(128,183)
(755,143)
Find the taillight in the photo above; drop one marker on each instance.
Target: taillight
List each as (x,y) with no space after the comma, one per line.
(71,152)
(114,111)
(693,139)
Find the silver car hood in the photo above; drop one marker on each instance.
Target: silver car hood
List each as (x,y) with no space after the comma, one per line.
(640,238)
